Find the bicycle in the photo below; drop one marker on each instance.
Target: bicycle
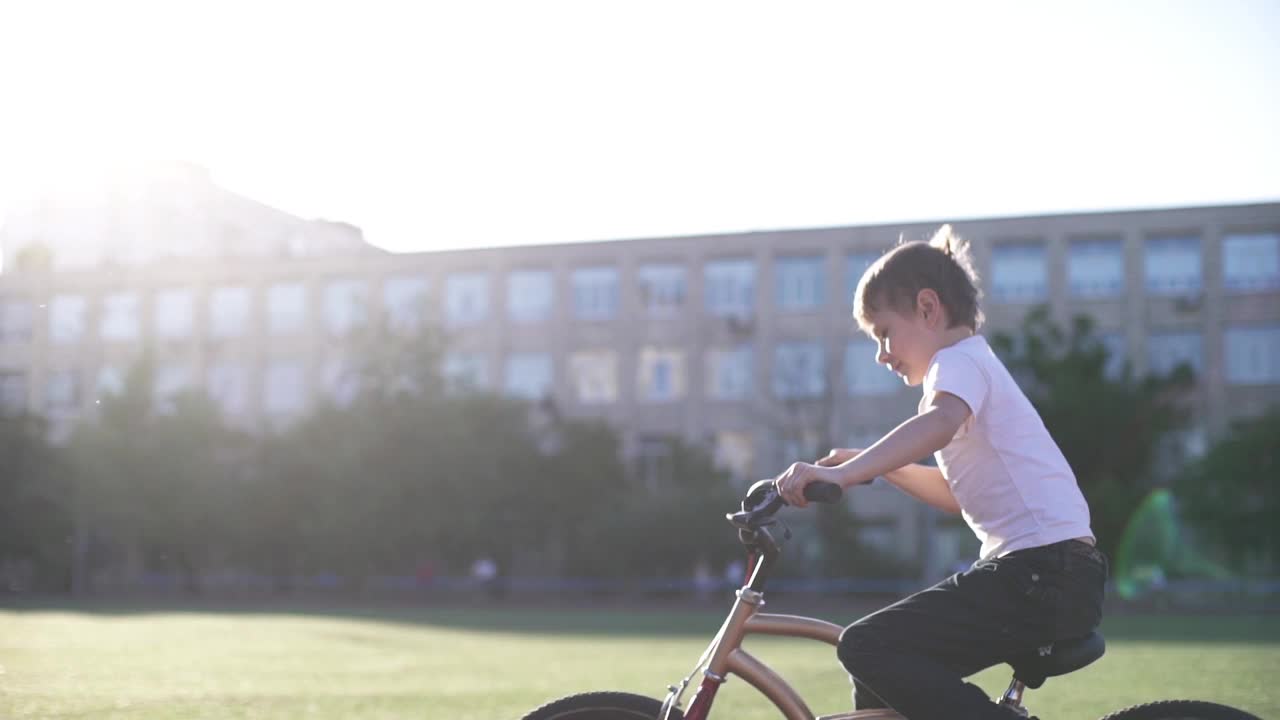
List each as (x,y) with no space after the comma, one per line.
(763,536)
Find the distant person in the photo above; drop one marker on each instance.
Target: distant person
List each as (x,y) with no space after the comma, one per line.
(1039,578)
(703,581)
(485,573)
(735,573)
(426,573)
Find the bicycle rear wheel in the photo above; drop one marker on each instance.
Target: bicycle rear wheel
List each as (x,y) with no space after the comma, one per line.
(1180,710)
(603,706)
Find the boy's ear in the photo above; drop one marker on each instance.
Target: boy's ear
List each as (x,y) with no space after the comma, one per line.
(929,305)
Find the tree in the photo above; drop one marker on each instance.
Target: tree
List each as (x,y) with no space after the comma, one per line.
(667,528)
(1232,494)
(34,516)
(156,482)
(807,391)
(105,458)
(1108,427)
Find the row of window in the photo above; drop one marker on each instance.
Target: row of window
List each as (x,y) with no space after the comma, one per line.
(229,311)
(1252,356)
(1018,273)
(1171,266)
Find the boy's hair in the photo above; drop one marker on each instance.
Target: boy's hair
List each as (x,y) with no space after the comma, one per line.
(943,264)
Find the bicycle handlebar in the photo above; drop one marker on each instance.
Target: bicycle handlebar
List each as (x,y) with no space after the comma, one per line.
(763,501)
(823,492)
(756,516)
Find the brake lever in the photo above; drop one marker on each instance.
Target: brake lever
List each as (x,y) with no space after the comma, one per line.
(750,519)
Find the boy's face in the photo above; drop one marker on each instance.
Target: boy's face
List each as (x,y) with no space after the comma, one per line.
(905,343)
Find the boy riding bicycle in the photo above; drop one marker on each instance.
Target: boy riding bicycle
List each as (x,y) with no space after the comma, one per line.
(1039,578)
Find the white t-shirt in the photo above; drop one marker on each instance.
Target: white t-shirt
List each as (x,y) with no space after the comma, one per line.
(1014,487)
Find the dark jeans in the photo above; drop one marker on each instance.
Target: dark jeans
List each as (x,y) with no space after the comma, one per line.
(914,655)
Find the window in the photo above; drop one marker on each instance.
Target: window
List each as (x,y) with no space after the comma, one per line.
(855,266)
(595,293)
(1018,273)
(174,313)
(1253,356)
(119,316)
(15,320)
(1176,449)
(802,447)
(466,298)
(1095,268)
(863,375)
(405,299)
(227,384)
(654,462)
(13,392)
(345,305)
(110,381)
(67,318)
(528,375)
(730,287)
(1117,347)
(62,392)
(661,375)
(170,381)
(1251,262)
(799,370)
(285,391)
(735,452)
(466,371)
(228,312)
(595,376)
(661,288)
(286,308)
(730,373)
(529,296)
(341,380)
(800,283)
(1166,351)
(1173,265)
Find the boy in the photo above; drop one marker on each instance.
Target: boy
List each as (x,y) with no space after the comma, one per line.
(1039,578)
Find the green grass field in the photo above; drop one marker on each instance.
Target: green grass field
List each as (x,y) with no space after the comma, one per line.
(495,663)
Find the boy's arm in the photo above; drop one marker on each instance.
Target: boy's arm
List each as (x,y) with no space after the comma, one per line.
(923,482)
(918,437)
(926,484)
(892,455)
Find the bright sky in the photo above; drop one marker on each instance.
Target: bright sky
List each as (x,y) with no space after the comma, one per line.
(457,124)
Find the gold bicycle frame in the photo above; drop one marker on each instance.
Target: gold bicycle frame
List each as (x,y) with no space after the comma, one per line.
(729,658)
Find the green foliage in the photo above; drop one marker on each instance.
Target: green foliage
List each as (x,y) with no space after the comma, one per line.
(667,525)
(404,474)
(1232,494)
(34,520)
(1109,428)
(160,482)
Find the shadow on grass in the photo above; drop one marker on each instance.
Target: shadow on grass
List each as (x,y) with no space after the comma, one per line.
(633,618)
(663,618)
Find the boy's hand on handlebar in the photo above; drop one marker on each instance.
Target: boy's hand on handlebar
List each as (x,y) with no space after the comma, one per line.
(791,483)
(839,456)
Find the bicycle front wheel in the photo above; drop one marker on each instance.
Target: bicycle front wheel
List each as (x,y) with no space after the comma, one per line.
(603,706)
(1180,710)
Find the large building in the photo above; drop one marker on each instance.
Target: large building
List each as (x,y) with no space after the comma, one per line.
(742,341)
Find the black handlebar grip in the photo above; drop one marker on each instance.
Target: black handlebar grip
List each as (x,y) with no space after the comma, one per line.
(823,492)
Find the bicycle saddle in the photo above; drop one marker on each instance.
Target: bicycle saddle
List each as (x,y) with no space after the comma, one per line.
(1060,658)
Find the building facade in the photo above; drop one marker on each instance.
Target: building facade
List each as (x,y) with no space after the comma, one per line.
(741,341)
